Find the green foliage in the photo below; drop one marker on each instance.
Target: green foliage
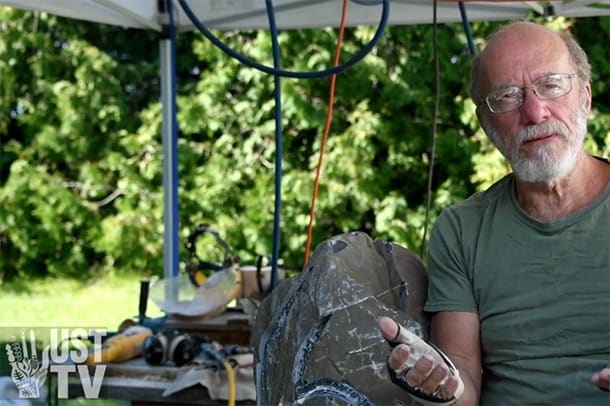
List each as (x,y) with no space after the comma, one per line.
(81,154)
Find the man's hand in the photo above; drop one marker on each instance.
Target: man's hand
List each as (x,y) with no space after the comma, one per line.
(602,379)
(417,368)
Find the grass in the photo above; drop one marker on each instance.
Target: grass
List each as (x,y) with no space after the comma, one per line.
(100,303)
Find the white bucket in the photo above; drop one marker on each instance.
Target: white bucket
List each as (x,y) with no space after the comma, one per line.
(249,280)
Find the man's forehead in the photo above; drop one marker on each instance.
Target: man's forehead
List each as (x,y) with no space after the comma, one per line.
(513,56)
(522,39)
(526,31)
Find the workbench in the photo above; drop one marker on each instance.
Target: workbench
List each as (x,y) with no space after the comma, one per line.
(143,384)
(230,327)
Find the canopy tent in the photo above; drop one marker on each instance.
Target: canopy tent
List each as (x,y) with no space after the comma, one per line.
(289,14)
(292,14)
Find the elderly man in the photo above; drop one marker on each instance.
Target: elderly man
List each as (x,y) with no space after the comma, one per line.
(519,275)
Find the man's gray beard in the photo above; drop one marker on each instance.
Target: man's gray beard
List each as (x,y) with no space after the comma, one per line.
(546,166)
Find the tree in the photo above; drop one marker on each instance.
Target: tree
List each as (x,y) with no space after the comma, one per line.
(81,161)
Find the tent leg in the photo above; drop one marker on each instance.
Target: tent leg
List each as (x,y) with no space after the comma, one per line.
(170,168)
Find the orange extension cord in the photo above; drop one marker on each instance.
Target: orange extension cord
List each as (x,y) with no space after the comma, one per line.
(329,114)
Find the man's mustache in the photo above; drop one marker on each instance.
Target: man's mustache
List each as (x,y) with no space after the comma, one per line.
(540,130)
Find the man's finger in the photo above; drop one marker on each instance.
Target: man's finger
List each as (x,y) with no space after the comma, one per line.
(448,389)
(433,381)
(389,328)
(398,357)
(418,374)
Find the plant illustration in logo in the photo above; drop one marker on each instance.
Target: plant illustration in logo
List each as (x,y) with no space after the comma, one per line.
(28,373)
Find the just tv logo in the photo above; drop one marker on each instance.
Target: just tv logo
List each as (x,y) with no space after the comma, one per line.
(64,356)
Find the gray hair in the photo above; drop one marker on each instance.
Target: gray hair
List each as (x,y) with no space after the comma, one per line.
(577,56)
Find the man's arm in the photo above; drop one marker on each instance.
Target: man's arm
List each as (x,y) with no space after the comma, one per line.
(457,334)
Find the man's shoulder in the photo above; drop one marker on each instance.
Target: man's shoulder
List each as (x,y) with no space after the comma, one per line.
(499,192)
(493,204)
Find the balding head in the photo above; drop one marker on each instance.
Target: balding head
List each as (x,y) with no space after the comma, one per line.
(521,42)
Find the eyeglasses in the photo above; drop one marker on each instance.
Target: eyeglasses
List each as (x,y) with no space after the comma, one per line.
(547,87)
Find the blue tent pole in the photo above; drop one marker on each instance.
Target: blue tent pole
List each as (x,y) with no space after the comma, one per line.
(169,133)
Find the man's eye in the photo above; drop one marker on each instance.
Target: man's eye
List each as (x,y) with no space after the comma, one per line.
(550,86)
(506,94)
(550,82)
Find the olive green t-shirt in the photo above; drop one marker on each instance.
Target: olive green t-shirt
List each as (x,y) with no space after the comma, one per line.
(542,292)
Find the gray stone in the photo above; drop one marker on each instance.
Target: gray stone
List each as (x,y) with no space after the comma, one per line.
(315,337)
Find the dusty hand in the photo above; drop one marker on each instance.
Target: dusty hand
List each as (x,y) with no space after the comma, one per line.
(602,379)
(419,366)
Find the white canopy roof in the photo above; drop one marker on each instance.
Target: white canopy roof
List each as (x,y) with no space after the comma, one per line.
(247,14)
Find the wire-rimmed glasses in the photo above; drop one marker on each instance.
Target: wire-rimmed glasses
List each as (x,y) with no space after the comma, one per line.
(547,87)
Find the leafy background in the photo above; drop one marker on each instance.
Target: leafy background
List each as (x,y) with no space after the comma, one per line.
(81,156)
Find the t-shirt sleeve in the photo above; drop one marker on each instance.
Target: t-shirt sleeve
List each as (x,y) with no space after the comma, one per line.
(449,283)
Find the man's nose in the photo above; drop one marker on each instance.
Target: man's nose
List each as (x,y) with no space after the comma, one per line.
(533,110)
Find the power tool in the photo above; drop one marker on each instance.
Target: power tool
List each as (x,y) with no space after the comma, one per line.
(120,347)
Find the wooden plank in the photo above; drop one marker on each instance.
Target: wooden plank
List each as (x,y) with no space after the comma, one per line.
(143,384)
(229,327)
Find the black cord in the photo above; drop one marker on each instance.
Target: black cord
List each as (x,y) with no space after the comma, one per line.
(434,128)
(277,72)
(278,153)
(466,26)
(472,50)
(290,74)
